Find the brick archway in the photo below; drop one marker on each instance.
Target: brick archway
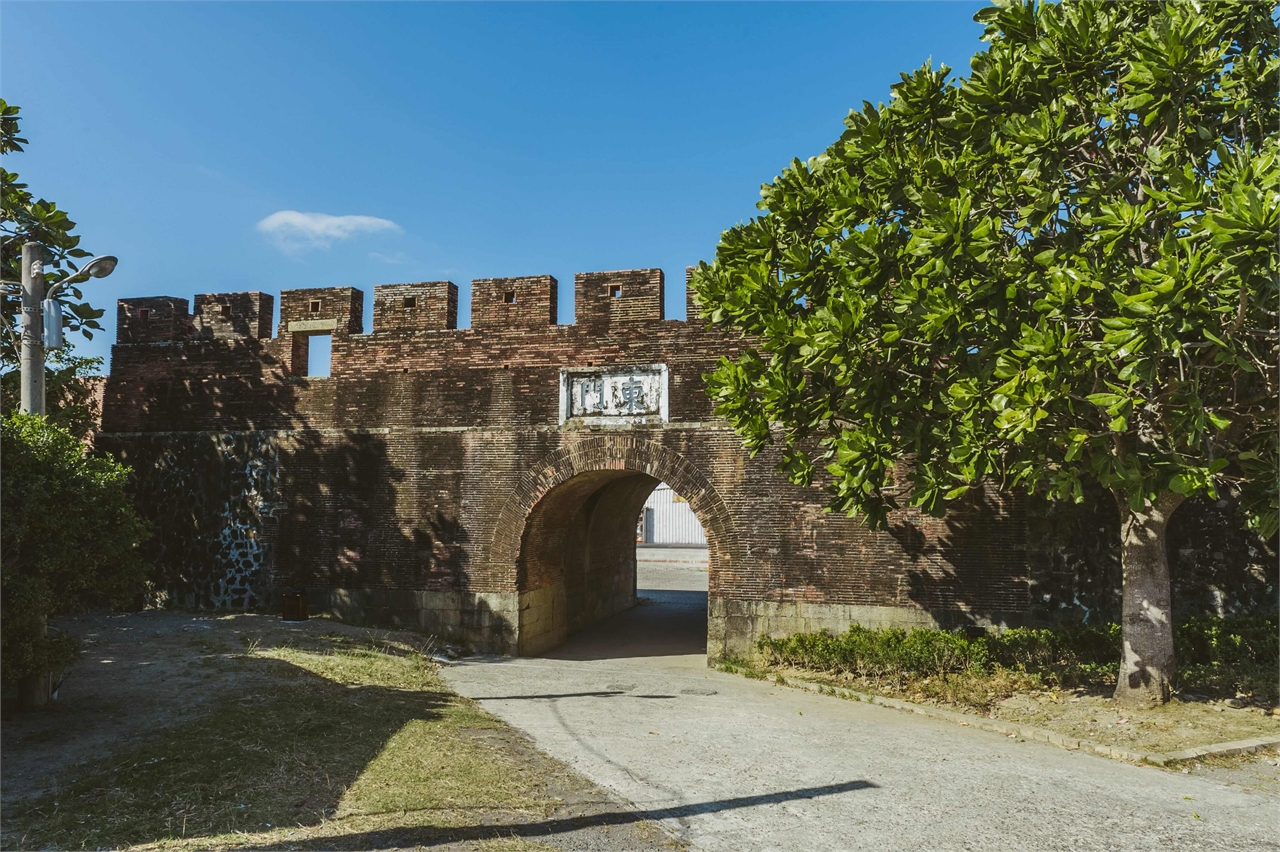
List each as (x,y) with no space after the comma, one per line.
(616,472)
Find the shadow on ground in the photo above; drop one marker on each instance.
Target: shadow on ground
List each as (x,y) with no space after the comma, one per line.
(665,623)
(280,754)
(428,837)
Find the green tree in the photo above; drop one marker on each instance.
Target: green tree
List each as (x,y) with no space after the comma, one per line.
(25,218)
(68,540)
(1061,268)
(71,401)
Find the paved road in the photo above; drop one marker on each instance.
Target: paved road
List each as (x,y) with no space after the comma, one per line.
(733,764)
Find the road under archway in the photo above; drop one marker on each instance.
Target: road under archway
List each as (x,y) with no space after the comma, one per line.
(579,574)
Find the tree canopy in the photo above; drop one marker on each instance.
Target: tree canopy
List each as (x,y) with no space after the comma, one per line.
(27,218)
(1060,267)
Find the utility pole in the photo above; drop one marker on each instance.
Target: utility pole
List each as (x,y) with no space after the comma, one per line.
(32,399)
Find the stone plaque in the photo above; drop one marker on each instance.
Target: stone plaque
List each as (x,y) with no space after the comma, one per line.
(313,325)
(614,395)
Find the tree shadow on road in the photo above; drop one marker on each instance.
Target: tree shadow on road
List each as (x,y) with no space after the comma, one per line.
(432,836)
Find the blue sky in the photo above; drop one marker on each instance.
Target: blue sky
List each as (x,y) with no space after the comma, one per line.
(478,140)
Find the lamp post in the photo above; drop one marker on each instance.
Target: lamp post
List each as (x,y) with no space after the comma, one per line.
(32,361)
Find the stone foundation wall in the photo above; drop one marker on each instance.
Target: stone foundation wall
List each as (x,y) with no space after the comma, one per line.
(483,621)
(733,626)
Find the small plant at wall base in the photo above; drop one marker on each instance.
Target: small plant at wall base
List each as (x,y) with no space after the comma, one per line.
(1060,269)
(68,541)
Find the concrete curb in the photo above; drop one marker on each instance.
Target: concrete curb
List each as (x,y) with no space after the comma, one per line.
(1035,734)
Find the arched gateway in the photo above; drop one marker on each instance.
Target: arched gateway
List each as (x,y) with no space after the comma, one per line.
(484,483)
(569,528)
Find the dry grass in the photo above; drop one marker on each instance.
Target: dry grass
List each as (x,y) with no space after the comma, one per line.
(1171,727)
(347,745)
(1023,698)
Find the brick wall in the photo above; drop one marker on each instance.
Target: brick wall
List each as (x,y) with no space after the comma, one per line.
(603,299)
(426,306)
(428,481)
(233,315)
(500,303)
(157,319)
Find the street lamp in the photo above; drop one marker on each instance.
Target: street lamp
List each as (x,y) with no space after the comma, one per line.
(33,331)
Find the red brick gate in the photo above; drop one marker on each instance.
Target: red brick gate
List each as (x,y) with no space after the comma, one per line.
(483,483)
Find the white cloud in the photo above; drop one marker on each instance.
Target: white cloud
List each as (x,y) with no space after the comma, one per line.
(294,231)
(397,258)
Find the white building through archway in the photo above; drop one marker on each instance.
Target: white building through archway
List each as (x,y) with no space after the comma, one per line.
(668,519)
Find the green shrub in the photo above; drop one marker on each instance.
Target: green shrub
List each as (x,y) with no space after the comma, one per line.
(1223,656)
(879,653)
(68,540)
(1217,656)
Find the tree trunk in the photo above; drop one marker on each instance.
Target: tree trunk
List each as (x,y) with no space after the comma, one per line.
(1146,662)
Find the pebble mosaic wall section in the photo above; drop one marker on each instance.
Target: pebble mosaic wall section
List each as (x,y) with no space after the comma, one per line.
(211,499)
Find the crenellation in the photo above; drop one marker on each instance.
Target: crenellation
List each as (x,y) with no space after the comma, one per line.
(690,303)
(336,311)
(424,306)
(604,299)
(510,302)
(153,319)
(230,316)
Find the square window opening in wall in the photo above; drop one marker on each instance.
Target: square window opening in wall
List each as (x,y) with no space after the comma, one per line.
(410,302)
(316,304)
(509,297)
(225,311)
(144,313)
(319,355)
(615,291)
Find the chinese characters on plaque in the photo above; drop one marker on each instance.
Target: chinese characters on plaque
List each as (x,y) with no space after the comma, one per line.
(614,394)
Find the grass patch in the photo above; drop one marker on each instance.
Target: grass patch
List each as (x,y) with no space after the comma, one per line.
(336,743)
(741,666)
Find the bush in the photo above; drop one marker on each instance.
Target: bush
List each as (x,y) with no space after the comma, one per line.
(68,541)
(1216,656)
(879,653)
(1223,656)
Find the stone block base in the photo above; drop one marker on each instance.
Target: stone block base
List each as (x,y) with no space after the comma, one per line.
(734,626)
(544,619)
(484,622)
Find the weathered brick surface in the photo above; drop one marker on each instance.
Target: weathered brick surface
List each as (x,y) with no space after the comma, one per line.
(505,302)
(426,306)
(233,315)
(430,477)
(157,319)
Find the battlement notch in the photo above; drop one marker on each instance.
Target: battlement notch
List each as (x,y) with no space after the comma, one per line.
(338,311)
